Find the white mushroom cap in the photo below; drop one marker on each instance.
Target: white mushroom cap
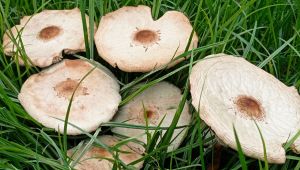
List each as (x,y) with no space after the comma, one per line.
(97,158)
(230,91)
(130,39)
(46,96)
(156,102)
(46,34)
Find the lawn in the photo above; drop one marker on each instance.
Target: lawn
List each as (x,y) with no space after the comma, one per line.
(265,32)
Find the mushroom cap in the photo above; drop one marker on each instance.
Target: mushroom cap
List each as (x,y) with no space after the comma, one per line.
(92,158)
(156,102)
(46,35)
(131,40)
(228,90)
(46,96)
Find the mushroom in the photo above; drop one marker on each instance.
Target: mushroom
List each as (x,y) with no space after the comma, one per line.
(97,157)
(228,90)
(131,40)
(46,35)
(152,105)
(46,96)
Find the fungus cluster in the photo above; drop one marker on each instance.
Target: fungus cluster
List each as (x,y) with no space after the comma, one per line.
(227,91)
(84,96)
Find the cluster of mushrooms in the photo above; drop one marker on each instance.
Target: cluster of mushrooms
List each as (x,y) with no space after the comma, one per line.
(227,91)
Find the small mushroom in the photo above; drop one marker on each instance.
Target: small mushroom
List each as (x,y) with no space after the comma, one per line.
(131,40)
(228,90)
(46,96)
(46,35)
(96,157)
(152,105)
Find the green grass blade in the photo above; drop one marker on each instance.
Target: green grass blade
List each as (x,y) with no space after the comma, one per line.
(240,151)
(264,146)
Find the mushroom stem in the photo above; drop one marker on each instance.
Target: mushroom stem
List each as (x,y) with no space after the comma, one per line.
(217,157)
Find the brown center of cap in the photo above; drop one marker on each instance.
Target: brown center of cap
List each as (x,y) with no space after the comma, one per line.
(250,107)
(150,113)
(66,88)
(145,37)
(49,33)
(99,152)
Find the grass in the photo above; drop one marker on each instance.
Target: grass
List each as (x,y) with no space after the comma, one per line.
(265,32)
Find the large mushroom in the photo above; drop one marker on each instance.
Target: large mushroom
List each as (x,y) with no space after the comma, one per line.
(46,35)
(155,104)
(131,40)
(97,157)
(46,96)
(228,90)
